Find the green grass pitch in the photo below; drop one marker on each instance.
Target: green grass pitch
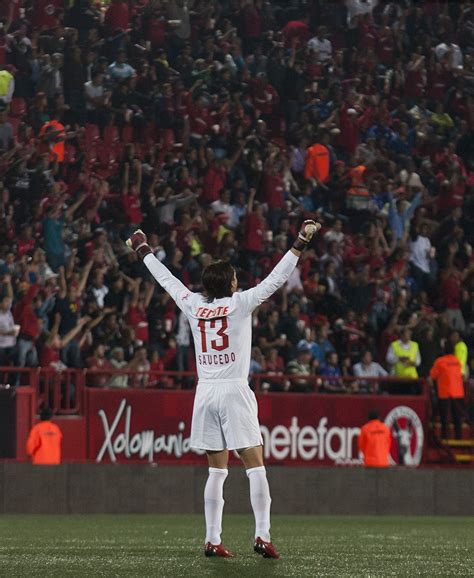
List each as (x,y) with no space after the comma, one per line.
(149,545)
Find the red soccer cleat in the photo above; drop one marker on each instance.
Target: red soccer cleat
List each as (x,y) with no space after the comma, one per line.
(265,549)
(220,551)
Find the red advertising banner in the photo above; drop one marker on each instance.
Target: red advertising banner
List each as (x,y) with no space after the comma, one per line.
(298,429)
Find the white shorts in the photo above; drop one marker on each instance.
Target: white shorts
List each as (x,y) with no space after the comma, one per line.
(225,416)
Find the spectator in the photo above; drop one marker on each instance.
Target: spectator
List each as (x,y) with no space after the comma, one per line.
(257,362)
(374,442)
(67,305)
(97,98)
(30,327)
(7,87)
(183,341)
(117,361)
(8,332)
(250,100)
(321,45)
(8,329)
(330,369)
(300,367)
(50,355)
(401,213)
(430,348)
(368,368)
(120,70)
(44,441)
(447,372)
(403,356)
(6,132)
(99,376)
(325,345)
(460,351)
(451,53)
(142,366)
(275,366)
(421,253)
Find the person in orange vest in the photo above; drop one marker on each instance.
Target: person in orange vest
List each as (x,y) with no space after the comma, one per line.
(358,196)
(317,163)
(374,441)
(447,372)
(53,134)
(44,441)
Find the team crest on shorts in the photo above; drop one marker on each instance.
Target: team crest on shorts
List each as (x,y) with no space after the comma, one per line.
(407,436)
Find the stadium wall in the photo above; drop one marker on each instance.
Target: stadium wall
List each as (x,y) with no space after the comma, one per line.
(121,489)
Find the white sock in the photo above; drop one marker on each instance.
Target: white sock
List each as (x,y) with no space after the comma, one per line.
(214,504)
(261,501)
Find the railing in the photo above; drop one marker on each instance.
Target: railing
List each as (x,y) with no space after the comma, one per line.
(341,385)
(63,391)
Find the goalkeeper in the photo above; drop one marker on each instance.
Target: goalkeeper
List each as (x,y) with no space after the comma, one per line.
(225,408)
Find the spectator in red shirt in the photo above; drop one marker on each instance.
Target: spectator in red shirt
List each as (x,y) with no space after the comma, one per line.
(265,97)
(137,311)
(349,136)
(30,328)
(386,46)
(451,290)
(274,190)
(99,366)
(26,242)
(200,120)
(50,355)
(252,21)
(46,13)
(214,179)
(296,29)
(131,196)
(117,17)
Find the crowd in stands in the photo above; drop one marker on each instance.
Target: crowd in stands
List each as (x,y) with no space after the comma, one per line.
(217,127)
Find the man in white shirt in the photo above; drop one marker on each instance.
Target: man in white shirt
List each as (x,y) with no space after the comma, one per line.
(321,45)
(225,413)
(8,331)
(95,91)
(367,367)
(452,52)
(335,234)
(420,253)
(222,205)
(358,7)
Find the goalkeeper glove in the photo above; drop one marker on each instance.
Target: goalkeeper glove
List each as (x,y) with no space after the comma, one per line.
(308,229)
(138,242)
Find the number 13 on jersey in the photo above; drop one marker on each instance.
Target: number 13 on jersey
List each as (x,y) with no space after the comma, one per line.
(217,344)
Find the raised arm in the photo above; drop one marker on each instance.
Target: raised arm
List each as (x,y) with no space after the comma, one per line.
(254,297)
(173,286)
(74,331)
(85,275)
(73,208)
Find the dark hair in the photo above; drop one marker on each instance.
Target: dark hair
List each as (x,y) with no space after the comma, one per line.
(46,414)
(449,347)
(374,414)
(217,280)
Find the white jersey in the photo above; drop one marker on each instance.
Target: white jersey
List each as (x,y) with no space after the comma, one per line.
(222,329)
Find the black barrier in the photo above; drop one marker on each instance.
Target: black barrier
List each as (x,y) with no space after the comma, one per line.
(7,423)
(123,489)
